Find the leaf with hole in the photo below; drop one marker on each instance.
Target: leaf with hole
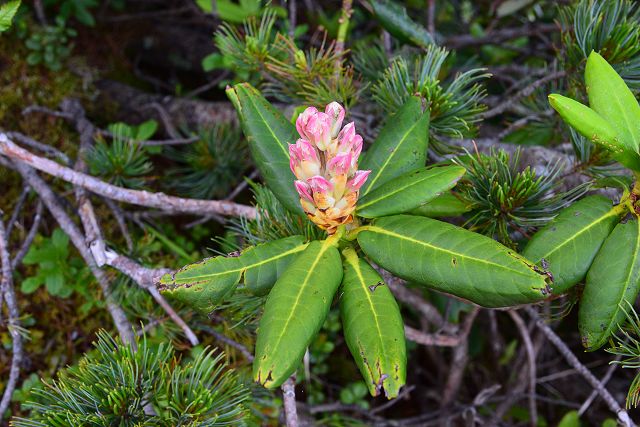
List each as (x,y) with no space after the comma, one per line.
(373,327)
(452,260)
(295,310)
(569,243)
(409,191)
(612,286)
(206,284)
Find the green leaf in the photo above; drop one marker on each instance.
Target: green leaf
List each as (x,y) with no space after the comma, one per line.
(612,285)
(265,263)
(373,327)
(401,145)
(55,283)
(393,17)
(595,128)
(610,97)
(570,242)
(452,260)
(146,130)
(30,284)
(409,191)
(268,133)
(446,204)
(294,312)
(570,419)
(205,284)
(7,12)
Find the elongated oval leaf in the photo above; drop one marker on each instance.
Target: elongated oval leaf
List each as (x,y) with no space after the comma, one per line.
(453,260)
(569,243)
(373,327)
(409,191)
(394,19)
(295,310)
(268,133)
(612,286)
(610,97)
(595,128)
(401,146)
(446,204)
(205,284)
(587,122)
(265,263)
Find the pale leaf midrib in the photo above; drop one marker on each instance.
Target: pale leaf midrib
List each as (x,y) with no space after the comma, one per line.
(397,148)
(462,255)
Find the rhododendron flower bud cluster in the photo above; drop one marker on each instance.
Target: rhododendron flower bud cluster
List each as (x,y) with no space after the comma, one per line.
(325,163)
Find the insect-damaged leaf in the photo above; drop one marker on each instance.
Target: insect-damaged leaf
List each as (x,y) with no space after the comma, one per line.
(373,327)
(409,191)
(296,308)
(268,132)
(204,285)
(569,243)
(401,146)
(453,260)
(612,285)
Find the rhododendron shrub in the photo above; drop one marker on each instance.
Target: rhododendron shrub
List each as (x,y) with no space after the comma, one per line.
(367,202)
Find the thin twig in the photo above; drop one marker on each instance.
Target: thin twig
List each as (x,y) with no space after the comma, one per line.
(17,210)
(459,360)
(289,397)
(232,343)
(47,149)
(343,21)
(431,17)
(136,197)
(437,340)
(614,406)
(531,359)
(122,223)
(499,36)
(28,240)
(47,195)
(13,321)
(523,93)
(594,394)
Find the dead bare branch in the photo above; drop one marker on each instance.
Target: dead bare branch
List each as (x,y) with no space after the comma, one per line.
(136,197)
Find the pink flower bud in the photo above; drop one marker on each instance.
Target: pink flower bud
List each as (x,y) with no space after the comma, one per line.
(318,131)
(336,114)
(303,159)
(319,184)
(358,180)
(304,190)
(322,192)
(303,119)
(340,164)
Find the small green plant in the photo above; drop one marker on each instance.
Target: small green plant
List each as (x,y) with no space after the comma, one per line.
(78,9)
(57,268)
(51,45)
(212,165)
(120,385)
(121,161)
(454,106)
(503,199)
(588,240)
